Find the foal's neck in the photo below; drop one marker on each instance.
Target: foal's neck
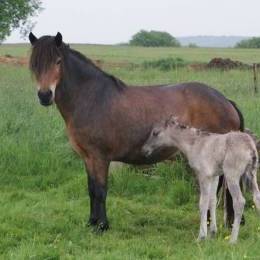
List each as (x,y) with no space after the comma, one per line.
(185,139)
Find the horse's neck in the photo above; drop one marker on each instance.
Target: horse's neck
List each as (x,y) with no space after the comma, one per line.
(82,81)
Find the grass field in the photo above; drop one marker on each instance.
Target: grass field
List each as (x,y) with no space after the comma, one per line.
(43,193)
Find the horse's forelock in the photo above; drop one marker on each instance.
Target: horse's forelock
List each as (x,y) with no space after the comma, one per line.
(44,54)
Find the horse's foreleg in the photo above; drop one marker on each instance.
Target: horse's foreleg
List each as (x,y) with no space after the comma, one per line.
(97,171)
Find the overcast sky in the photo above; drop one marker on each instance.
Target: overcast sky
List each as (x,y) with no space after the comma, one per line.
(114,21)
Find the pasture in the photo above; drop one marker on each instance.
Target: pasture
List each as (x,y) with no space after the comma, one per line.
(43,195)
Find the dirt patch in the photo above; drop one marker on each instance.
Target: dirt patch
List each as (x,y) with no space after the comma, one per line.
(8,59)
(23,61)
(227,64)
(198,66)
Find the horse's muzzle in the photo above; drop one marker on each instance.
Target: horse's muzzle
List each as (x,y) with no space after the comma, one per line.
(45,97)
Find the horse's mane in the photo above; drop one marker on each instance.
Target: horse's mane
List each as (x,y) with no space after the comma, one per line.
(89,62)
(45,53)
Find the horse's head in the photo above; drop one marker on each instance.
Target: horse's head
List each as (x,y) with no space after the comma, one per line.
(46,65)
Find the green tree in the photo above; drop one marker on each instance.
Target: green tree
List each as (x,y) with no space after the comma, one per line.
(16,14)
(250,43)
(153,39)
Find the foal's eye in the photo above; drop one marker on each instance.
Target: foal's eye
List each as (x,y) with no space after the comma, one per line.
(58,62)
(155,133)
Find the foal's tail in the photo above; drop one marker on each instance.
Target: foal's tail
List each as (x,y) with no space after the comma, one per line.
(251,174)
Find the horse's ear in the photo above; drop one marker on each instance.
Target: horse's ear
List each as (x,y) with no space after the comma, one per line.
(58,39)
(33,39)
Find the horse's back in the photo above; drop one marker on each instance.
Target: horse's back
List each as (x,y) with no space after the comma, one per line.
(194,104)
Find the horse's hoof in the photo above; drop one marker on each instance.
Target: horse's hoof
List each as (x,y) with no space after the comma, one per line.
(91,222)
(101,227)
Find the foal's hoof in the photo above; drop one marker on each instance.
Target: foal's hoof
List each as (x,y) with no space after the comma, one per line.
(213,233)
(201,238)
(232,241)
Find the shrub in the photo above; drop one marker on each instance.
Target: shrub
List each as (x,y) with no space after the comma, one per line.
(154,39)
(165,64)
(193,45)
(250,43)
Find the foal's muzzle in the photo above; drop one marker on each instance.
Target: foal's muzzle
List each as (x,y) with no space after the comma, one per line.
(146,151)
(45,97)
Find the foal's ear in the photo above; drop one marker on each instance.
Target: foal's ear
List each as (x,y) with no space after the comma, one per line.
(33,39)
(171,121)
(58,39)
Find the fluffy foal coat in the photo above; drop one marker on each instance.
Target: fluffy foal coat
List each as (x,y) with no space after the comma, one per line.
(211,155)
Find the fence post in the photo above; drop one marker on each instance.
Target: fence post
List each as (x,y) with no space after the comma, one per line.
(255,77)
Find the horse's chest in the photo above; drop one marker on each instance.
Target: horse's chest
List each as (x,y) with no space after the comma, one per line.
(77,141)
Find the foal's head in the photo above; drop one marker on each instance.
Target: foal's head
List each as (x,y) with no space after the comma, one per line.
(163,135)
(46,65)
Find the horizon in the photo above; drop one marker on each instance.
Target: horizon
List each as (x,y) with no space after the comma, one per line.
(118,43)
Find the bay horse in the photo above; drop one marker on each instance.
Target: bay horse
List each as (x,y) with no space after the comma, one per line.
(106,120)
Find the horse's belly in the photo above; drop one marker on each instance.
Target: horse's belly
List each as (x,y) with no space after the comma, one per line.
(157,156)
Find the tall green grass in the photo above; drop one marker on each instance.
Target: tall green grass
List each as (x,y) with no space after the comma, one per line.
(43,194)
(138,55)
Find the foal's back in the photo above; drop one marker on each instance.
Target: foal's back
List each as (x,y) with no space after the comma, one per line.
(223,152)
(241,152)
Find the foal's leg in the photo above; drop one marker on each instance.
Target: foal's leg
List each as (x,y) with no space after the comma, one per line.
(97,185)
(212,206)
(205,188)
(238,204)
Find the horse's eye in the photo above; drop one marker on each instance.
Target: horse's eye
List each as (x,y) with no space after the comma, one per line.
(58,62)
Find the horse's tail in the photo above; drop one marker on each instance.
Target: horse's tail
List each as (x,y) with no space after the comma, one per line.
(241,117)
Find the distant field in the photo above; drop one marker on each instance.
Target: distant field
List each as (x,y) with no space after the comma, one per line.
(139,54)
(43,196)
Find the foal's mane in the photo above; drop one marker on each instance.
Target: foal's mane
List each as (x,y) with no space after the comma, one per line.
(45,53)
(198,131)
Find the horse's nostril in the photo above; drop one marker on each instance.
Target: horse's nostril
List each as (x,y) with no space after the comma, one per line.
(45,97)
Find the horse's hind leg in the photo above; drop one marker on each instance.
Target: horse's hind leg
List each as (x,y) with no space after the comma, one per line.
(97,185)
(238,204)
(205,188)
(212,206)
